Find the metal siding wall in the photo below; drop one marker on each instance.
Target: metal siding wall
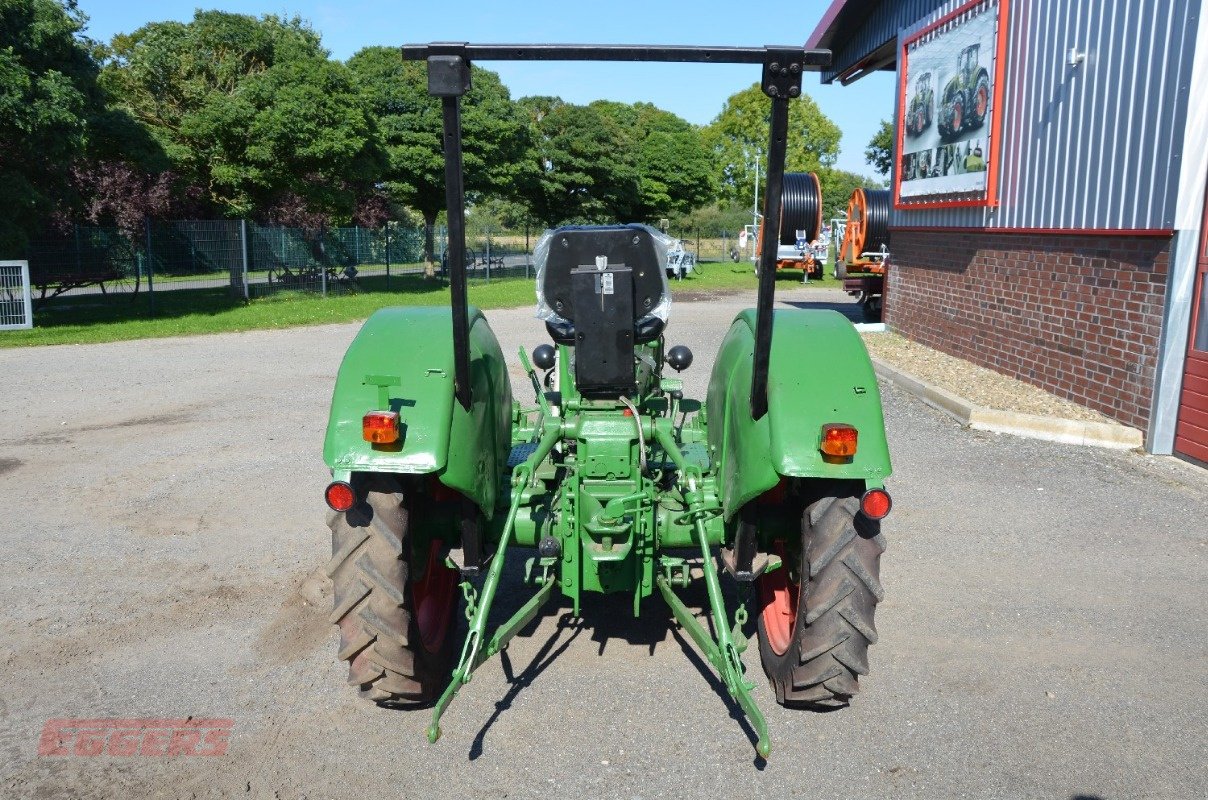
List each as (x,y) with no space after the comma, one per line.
(1092,146)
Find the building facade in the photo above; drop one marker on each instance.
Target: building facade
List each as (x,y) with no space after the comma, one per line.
(1049,188)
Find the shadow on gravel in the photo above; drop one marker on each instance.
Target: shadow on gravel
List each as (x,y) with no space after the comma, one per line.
(609,617)
(545,656)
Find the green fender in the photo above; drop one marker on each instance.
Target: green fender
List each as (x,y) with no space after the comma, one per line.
(819,372)
(402,359)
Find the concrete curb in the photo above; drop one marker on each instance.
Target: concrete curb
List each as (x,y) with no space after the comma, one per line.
(1030,426)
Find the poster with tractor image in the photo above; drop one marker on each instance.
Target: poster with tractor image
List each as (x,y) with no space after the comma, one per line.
(947,104)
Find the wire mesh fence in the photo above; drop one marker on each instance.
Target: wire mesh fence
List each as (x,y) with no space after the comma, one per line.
(98,266)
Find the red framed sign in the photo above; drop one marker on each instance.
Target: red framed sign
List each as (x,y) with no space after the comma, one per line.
(950,89)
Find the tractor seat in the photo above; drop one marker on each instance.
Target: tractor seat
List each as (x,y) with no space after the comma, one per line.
(629,257)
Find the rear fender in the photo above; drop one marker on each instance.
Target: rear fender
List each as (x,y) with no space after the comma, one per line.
(819,373)
(402,360)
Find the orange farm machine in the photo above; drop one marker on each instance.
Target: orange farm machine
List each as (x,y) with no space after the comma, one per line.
(863,254)
(800,225)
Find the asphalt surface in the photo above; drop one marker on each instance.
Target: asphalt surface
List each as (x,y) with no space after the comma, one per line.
(1043,633)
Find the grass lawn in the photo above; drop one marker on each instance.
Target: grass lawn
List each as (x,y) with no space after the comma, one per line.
(91,318)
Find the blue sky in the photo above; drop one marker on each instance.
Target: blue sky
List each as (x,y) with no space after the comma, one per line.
(695,92)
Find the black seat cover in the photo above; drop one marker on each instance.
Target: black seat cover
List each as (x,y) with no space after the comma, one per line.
(633,246)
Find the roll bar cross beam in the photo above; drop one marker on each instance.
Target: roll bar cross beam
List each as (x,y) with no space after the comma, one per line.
(449,79)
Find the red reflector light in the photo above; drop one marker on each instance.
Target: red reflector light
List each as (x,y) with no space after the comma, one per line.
(876,504)
(339,496)
(839,440)
(380,427)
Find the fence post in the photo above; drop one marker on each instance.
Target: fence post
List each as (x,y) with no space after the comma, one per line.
(150,269)
(387,255)
(488,255)
(322,266)
(243,254)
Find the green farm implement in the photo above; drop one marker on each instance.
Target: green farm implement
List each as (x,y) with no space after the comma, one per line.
(611,480)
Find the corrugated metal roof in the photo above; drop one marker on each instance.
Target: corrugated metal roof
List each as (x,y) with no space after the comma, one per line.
(854,30)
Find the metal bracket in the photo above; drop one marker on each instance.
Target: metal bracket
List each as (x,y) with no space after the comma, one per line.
(448,75)
(782,73)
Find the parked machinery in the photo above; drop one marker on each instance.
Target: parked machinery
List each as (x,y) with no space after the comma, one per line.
(863,254)
(612,479)
(800,224)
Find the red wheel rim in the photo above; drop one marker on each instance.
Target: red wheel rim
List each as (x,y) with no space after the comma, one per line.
(779,597)
(981,102)
(956,117)
(434,600)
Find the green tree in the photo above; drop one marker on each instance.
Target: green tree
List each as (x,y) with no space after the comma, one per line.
(253,110)
(410,128)
(583,165)
(837,186)
(740,133)
(48,94)
(676,171)
(879,153)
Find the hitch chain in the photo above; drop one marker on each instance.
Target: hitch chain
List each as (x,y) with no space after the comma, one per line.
(471,595)
(740,618)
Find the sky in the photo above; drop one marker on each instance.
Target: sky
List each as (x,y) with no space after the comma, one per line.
(694,92)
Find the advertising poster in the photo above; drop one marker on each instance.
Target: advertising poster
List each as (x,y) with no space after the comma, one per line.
(947,105)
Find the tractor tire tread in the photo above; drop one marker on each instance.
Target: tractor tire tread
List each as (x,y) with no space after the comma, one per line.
(372,605)
(841,557)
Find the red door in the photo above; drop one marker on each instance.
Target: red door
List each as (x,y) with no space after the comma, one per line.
(1191,433)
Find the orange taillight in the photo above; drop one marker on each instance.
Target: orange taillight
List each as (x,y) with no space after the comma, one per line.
(876,504)
(838,440)
(380,427)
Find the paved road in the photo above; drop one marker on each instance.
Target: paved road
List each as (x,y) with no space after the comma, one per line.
(1043,633)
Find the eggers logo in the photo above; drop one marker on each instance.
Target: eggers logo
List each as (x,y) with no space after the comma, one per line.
(135,737)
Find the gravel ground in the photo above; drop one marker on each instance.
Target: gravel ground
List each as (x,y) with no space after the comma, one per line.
(982,386)
(1043,633)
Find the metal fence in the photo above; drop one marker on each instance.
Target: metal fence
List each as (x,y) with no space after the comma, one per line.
(97,265)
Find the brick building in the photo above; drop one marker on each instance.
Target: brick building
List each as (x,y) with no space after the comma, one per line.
(1049,183)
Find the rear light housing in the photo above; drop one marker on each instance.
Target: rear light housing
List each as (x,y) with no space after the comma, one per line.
(838,440)
(339,496)
(380,427)
(876,504)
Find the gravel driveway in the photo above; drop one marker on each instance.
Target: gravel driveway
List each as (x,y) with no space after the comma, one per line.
(1043,633)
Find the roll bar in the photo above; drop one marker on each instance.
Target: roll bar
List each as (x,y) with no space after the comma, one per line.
(449,79)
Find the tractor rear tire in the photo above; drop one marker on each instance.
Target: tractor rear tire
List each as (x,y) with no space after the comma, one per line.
(817,618)
(378,596)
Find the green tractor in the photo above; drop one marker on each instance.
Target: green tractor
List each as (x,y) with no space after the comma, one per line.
(922,106)
(611,479)
(966,98)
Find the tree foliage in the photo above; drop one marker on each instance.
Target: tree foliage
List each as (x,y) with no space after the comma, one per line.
(249,116)
(609,162)
(740,133)
(253,110)
(581,167)
(837,186)
(48,94)
(879,153)
(410,128)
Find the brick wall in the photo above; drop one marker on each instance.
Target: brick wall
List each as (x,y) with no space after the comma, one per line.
(1079,316)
